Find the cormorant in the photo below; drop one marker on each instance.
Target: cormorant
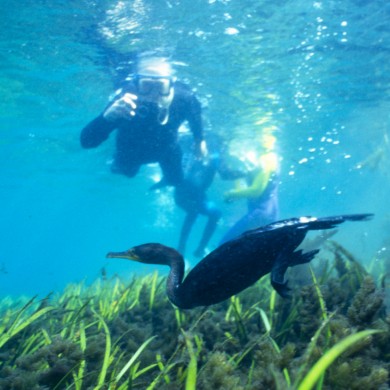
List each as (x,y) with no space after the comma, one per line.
(238,263)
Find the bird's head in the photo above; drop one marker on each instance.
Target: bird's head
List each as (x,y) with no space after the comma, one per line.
(148,254)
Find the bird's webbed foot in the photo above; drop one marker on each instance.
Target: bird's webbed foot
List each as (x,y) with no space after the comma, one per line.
(277,279)
(299,257)
(281,288)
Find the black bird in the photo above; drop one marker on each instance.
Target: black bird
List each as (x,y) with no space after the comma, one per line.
(238,263)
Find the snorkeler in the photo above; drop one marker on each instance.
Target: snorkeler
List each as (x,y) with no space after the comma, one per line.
(261,189)
(147,113)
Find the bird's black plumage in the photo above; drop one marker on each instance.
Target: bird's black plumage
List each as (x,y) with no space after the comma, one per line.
(239,263)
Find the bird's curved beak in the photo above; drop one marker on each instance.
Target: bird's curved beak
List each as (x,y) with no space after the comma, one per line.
(129,255)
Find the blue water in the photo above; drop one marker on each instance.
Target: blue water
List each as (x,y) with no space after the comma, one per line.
(326,64)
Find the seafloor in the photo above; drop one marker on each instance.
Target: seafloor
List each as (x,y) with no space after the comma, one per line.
(332,334)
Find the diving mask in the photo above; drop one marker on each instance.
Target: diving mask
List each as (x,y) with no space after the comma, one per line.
(154,85)
(158,91)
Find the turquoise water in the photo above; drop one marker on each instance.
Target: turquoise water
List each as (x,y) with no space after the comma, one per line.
(325,63)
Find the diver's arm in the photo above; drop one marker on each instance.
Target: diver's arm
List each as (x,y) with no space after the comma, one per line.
(232,170)
(96,132)
(260,182)
(122,107)
(196,126)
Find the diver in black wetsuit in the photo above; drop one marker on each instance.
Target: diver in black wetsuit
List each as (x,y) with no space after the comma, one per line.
(147,113)
(190,195)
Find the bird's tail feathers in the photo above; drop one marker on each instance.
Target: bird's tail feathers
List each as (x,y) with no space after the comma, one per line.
(331,222)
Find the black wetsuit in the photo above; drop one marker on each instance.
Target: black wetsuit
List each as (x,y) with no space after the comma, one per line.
(142,139)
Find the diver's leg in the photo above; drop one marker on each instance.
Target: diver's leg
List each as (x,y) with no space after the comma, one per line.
(214,216)
(186,228)
(237,229)
(171,166)
(255,217)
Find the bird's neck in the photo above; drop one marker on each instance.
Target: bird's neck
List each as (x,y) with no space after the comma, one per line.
(174,280)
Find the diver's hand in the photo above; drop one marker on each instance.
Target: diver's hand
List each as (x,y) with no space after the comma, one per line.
(123,108)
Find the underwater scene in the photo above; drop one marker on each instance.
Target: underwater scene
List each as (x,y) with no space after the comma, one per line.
(195,195)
